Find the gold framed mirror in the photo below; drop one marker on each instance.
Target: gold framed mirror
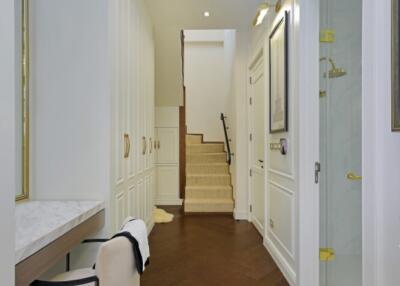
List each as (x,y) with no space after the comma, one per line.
(23,94)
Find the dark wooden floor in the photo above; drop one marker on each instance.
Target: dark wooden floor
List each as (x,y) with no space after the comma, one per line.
(208,250)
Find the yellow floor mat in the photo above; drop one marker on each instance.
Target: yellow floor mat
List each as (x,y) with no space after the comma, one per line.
(161,216)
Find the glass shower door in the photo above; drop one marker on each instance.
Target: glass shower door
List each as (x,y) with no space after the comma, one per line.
(340,143)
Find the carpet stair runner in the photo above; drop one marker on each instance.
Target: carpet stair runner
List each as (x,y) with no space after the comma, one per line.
(208,181)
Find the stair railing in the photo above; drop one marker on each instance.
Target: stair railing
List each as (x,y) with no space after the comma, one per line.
(227,140)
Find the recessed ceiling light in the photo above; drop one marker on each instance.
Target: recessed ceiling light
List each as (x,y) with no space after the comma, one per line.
(206,14)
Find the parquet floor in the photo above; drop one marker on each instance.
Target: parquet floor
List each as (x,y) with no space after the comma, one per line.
(208,250)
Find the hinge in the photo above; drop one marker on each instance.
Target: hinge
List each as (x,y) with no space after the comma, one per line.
(251,137)
(251,208)
(317,170)
(326,254)
(251,100)
(251,173)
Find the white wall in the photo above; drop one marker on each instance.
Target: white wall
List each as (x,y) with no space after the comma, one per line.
(209,57)
(282,173)
(381,153)
(237,120)
(7,142)
(69,99)
(70,105)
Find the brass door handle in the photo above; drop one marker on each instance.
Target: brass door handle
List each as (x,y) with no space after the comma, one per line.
(127,145)
(144,144)
(353,177)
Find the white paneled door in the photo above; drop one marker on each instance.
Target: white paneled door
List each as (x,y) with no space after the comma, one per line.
(257,143)
(133,113)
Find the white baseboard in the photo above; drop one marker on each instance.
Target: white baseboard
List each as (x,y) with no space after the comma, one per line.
(240,215)
(283,265)
(168,202)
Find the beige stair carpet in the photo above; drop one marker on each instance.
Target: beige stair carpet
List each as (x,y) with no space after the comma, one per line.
(208,181)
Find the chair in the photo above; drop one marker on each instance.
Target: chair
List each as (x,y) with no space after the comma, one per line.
(115,266)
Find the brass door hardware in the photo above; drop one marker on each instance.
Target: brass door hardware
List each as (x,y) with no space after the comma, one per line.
(353,177)
(127,144)
(144,145)
(158,144)
(322,93)
(155,144)
(326,254)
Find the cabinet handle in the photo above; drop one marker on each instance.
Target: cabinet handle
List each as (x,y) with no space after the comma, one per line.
(151,145)
(144,142)
(353,177)
(126,145)
(158,144)
(155,144)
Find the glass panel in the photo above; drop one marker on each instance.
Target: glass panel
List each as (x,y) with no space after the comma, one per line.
(340,142)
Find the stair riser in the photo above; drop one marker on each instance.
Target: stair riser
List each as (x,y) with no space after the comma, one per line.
(204,148)
(208,194)
(211,208)
(193,139)
(205,158)
(206,169)
(208,181)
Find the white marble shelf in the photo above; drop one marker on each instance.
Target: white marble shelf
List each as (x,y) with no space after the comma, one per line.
(38,223)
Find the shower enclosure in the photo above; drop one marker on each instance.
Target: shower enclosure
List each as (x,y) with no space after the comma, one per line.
(340,143)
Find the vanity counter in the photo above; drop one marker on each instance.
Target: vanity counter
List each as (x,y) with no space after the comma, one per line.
(39,223)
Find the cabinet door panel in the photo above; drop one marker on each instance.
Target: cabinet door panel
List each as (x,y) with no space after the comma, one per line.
(119,210)
(168,153)
(141,199)
(167,192)
(132,201)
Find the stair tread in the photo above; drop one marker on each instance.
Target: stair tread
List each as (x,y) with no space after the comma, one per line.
(209,175)
(208,201)
(214,187)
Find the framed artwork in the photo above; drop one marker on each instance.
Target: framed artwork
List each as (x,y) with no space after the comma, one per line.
(278,77)
(395,67)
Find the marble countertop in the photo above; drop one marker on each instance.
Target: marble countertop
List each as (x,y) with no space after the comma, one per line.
(38,223)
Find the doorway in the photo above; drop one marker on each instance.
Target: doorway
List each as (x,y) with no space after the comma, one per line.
(257,143)
(340,100)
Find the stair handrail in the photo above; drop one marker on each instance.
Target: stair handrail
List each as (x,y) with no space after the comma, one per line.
(228,147)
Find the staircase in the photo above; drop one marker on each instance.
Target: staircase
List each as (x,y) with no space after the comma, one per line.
(208,181)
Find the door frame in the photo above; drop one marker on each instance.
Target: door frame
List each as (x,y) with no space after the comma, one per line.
(375,21)
(258,59)
(306,125)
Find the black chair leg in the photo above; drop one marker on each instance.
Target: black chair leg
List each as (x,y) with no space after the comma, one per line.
(68,262)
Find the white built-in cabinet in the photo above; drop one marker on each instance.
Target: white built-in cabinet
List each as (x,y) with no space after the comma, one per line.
(167,156)
(132,86)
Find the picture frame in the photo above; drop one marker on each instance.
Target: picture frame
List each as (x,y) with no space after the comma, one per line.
(278,77)
(395,66)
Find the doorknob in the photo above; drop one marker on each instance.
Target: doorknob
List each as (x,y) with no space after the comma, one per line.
(353,177)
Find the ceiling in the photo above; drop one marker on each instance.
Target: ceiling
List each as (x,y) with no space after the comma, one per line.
(188,14)
(169,17)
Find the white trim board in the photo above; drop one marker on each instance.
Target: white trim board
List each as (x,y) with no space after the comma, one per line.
(283,265)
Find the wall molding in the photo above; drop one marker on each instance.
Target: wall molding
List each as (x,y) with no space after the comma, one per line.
(240,215)
(282,263)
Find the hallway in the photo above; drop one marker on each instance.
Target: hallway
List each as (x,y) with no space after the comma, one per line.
(208,250)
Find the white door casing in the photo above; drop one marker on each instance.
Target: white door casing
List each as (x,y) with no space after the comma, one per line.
(257,143)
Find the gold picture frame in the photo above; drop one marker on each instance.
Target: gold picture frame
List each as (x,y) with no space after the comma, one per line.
(24,194)
(395,66)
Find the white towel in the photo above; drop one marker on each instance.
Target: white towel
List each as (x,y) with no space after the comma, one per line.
(136,228)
